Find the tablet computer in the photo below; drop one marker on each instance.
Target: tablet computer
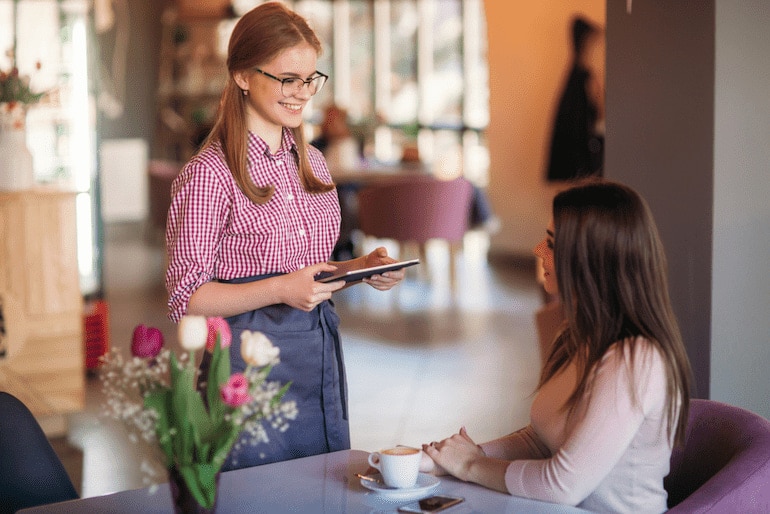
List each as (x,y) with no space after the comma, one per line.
(359,274)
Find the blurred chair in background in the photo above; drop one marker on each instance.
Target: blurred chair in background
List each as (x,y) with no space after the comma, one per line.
(161,174)
(31,473)
(416,210)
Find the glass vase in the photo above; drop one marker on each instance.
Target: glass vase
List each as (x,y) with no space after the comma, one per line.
(16,166)
(183,499)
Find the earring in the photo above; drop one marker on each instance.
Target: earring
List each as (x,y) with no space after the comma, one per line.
(245,92)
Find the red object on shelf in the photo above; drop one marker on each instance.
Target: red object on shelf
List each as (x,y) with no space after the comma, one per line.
(96,332)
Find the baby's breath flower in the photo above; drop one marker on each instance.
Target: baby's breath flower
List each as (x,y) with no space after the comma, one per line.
(132,386)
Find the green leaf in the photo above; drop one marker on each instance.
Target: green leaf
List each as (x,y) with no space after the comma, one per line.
(189,413)
(160,402)
(225,445)
(219,374)
(201,481)
(279,395)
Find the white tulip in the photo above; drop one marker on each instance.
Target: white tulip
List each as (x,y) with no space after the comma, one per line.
(193,331)
(257,350)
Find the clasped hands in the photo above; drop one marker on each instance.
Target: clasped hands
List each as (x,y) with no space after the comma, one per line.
(454,455)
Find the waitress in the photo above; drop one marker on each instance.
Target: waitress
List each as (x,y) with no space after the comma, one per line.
(254,217)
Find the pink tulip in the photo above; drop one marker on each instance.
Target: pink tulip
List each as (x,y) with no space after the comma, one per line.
(220,326)
(146,342)
(236,391)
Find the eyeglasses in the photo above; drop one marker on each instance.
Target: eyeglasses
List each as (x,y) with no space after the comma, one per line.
(293,85)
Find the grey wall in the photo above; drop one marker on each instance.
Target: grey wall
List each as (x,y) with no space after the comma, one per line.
(688,121)
(740,343)
(660,119)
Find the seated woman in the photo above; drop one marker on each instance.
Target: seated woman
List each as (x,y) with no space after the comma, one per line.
(613,395)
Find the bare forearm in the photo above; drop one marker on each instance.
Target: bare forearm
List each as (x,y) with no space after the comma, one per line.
(219,299)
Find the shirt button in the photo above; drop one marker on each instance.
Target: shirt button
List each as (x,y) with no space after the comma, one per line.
(302,231)
(290,196)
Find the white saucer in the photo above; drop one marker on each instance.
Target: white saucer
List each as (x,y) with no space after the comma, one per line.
(425,485)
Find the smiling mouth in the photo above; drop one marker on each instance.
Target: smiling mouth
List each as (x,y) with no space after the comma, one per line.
(292,107)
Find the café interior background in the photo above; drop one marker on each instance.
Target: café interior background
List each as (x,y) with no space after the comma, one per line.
(687,118)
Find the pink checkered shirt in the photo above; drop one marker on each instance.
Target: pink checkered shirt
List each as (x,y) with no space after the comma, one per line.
(215,232)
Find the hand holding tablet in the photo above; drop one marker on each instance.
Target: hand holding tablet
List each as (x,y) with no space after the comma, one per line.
(360,274)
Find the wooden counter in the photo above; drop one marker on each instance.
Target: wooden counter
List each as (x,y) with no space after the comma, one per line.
(41,343)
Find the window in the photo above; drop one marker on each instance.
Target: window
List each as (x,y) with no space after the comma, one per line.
(61,132)
(410,73)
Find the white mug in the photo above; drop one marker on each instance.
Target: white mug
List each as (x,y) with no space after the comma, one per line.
(398,466)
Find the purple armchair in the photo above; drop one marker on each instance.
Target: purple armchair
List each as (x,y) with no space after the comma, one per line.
(725,463)
(417,209)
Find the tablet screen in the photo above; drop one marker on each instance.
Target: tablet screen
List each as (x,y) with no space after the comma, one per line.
(359,274)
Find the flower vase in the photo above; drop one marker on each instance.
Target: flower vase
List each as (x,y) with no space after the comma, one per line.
(16,167)
(184,501)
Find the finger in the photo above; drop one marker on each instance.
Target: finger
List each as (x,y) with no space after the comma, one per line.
(464,435)
(329,287)
(321,266)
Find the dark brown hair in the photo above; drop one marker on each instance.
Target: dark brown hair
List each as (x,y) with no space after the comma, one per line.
(612,278)
(258,37)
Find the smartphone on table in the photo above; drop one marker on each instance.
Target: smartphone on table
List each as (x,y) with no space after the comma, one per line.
(431,504)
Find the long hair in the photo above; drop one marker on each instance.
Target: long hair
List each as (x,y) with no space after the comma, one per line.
(612,276)
(258,37)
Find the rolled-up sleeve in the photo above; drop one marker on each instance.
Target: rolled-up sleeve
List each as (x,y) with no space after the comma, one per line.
(194,232)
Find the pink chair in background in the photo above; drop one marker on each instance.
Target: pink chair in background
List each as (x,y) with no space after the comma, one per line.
(416,210)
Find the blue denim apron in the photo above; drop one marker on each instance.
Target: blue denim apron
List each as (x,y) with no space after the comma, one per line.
(311,359)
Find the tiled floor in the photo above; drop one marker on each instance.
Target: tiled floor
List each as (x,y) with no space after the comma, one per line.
(421,360)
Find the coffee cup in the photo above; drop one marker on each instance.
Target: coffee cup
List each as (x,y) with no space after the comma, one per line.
(398,466)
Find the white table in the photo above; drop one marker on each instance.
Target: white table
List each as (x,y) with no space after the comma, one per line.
(313,485)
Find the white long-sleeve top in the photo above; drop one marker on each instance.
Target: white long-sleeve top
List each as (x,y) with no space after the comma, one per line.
(612,454)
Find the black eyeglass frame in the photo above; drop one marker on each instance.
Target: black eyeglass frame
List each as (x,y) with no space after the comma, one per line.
(290,80)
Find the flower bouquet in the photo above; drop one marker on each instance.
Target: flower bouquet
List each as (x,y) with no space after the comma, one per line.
(15,88)
(15,95)
(195,421)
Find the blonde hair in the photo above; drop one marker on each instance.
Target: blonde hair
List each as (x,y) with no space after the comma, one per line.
(258,37)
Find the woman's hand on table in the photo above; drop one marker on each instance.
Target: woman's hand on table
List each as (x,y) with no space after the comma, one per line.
(454,455)
(300,290)
(428,465)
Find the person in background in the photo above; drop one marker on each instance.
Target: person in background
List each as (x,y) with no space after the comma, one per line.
(613,396)
(577,140)
(336,141)
(341,152)
(253,219)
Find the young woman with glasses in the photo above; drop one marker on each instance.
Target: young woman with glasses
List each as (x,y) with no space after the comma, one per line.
(614,393)
(254,218)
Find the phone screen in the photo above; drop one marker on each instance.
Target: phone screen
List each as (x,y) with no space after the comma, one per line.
(431,504)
